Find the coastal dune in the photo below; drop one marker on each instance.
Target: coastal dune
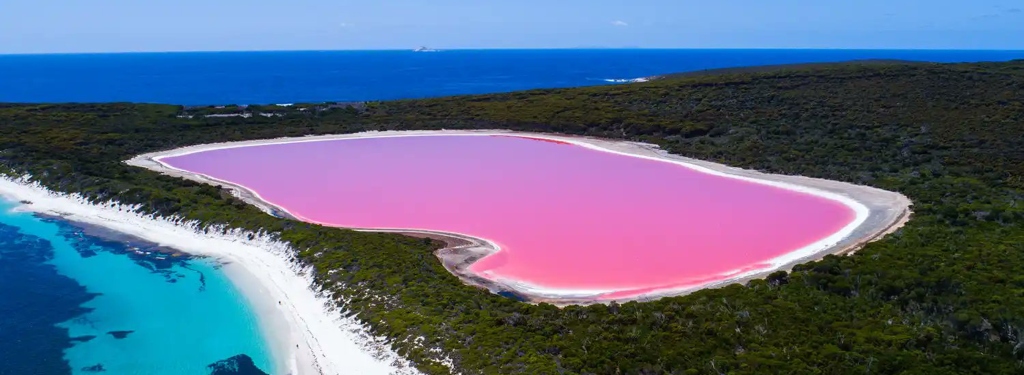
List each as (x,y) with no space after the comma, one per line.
(877,212)
(307,332)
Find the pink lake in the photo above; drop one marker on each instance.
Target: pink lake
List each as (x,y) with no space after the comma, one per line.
(565,217)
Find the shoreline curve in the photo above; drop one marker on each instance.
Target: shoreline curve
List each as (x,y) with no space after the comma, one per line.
(305,328)
(877,212)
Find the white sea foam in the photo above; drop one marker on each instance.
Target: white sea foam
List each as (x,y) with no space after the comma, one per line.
(308,333)
(627,80)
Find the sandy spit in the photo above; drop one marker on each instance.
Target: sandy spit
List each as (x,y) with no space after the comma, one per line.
(307,333)
(878,212)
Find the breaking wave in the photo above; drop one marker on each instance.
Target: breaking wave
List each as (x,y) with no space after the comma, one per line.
(627,80)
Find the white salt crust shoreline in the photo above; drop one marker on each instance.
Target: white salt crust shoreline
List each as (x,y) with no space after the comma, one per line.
(306,333)
(877,212)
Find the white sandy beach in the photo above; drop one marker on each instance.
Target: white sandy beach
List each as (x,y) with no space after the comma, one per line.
(877,212)
(308,335)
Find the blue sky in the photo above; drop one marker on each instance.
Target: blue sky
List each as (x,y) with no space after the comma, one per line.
(42,26)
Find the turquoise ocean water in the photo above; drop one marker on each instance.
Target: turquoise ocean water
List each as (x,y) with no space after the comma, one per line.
(73,302)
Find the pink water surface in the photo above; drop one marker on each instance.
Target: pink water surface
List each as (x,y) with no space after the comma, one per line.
(565,217)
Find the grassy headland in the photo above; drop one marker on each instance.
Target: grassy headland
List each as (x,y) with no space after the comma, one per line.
(945,294)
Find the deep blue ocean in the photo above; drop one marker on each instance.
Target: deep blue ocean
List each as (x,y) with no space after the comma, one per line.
(317,76)
(76,302)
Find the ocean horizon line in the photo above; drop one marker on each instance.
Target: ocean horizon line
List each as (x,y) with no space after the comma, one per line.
(486,49)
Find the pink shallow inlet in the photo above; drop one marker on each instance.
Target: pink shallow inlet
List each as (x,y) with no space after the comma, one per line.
(565,216)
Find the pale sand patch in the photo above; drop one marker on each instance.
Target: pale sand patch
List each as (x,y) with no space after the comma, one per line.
(307,333)
(878,212)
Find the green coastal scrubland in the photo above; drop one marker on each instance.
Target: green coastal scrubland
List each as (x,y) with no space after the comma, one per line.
(943,295)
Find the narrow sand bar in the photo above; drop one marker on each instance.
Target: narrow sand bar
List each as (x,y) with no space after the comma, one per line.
(875,212)
(308,334)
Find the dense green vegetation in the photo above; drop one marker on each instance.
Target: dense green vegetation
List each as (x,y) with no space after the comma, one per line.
(944,295)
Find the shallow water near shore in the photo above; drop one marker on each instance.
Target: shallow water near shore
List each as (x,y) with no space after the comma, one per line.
(73,302)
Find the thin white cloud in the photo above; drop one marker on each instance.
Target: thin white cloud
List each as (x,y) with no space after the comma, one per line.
(619,23)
